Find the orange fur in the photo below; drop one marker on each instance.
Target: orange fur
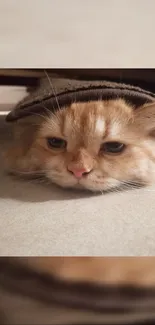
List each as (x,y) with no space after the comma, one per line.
(85,127)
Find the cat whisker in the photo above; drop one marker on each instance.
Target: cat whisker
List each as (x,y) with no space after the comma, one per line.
(53,122)
(42,116)
(47,118)
(35,124)
(38,180)
(47,110)
(16,171)
(50,82)
(132,182)
(125,185)
(51,114)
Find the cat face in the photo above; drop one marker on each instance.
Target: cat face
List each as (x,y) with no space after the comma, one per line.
(96,146)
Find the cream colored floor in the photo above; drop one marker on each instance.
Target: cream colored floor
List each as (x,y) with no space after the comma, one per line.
(38,219)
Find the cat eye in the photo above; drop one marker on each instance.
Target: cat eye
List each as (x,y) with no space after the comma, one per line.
(56,143)
(112,147)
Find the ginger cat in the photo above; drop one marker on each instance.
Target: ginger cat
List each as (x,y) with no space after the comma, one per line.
(97,146)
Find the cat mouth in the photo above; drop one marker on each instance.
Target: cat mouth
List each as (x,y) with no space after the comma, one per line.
(96,181)
(92,185)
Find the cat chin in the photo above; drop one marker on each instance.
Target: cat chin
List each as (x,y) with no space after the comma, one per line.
(92,186)
(64,184)
(97,186)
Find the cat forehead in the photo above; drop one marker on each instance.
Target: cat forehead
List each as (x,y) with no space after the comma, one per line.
(95,118)
(107,110)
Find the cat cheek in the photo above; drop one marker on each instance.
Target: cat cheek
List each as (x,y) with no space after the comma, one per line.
(56,163)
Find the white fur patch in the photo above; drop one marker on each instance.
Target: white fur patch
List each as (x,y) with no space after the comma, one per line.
(115,128)
(100,126)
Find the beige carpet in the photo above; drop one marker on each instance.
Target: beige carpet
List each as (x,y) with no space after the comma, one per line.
(38,219)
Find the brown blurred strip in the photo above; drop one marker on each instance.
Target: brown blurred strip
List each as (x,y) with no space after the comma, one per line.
(112,301)
(144,78)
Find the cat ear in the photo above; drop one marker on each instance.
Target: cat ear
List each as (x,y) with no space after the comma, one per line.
(145,118)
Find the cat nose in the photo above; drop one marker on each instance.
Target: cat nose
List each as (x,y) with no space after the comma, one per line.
(79,172)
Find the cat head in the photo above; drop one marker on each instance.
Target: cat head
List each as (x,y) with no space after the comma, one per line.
(95,145)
